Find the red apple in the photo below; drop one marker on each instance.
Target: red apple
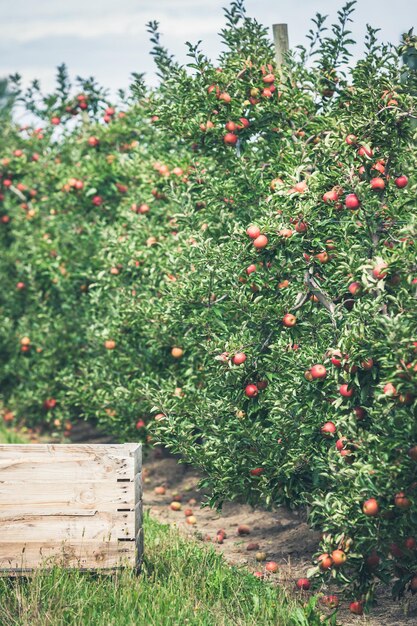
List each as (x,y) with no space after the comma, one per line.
(253,232)
(401,500)
(325,561)
(336,358)
(373,560)
(379,271)
(390,390)
(330,196)
(410,543)
(365,151)
(230,139)
(50,403)
(289,320)
(322,257)
(356,607)
(301,227)
(401,181)
(318,372)
(339,557)
(303,583)
(272,567)
(351,139)
(396,551)
(251,391)
(260,242)
(330,601)
(225,97)
(352,201)
(239,358)
(328,429)
(377,184)
(359,412)
(354,288)
(231,127)
(345,391)
(370,507)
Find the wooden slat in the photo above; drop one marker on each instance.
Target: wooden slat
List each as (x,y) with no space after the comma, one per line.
(53,528)
(97,451)
(55,462)
(78,469)
(89,555)
(63,498)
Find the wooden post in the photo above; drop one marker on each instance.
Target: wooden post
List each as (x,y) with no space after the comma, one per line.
(281,42)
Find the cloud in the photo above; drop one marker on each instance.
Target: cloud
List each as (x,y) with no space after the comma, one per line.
(106,26)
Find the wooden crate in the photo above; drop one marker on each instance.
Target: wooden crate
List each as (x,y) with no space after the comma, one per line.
(71,505)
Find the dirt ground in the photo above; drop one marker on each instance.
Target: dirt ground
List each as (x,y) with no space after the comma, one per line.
(282,534)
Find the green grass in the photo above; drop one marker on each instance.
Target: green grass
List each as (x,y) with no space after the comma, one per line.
(7,435)
(181,583)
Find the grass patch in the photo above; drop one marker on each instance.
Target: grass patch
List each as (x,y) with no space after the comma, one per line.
(180,583)
(8,435)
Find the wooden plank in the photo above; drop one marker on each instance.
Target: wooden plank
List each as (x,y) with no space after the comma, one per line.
(55,528)
(63,498)
(97,451)
(89,555)
(63,468)
(101,459)
(281,42)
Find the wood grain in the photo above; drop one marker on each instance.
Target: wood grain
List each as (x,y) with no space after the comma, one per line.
(78,504)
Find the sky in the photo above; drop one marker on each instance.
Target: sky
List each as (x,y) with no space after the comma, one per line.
(108,38)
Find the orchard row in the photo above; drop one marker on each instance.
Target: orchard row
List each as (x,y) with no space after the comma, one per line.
(227,265)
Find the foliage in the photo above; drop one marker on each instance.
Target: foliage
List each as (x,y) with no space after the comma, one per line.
(131,283)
